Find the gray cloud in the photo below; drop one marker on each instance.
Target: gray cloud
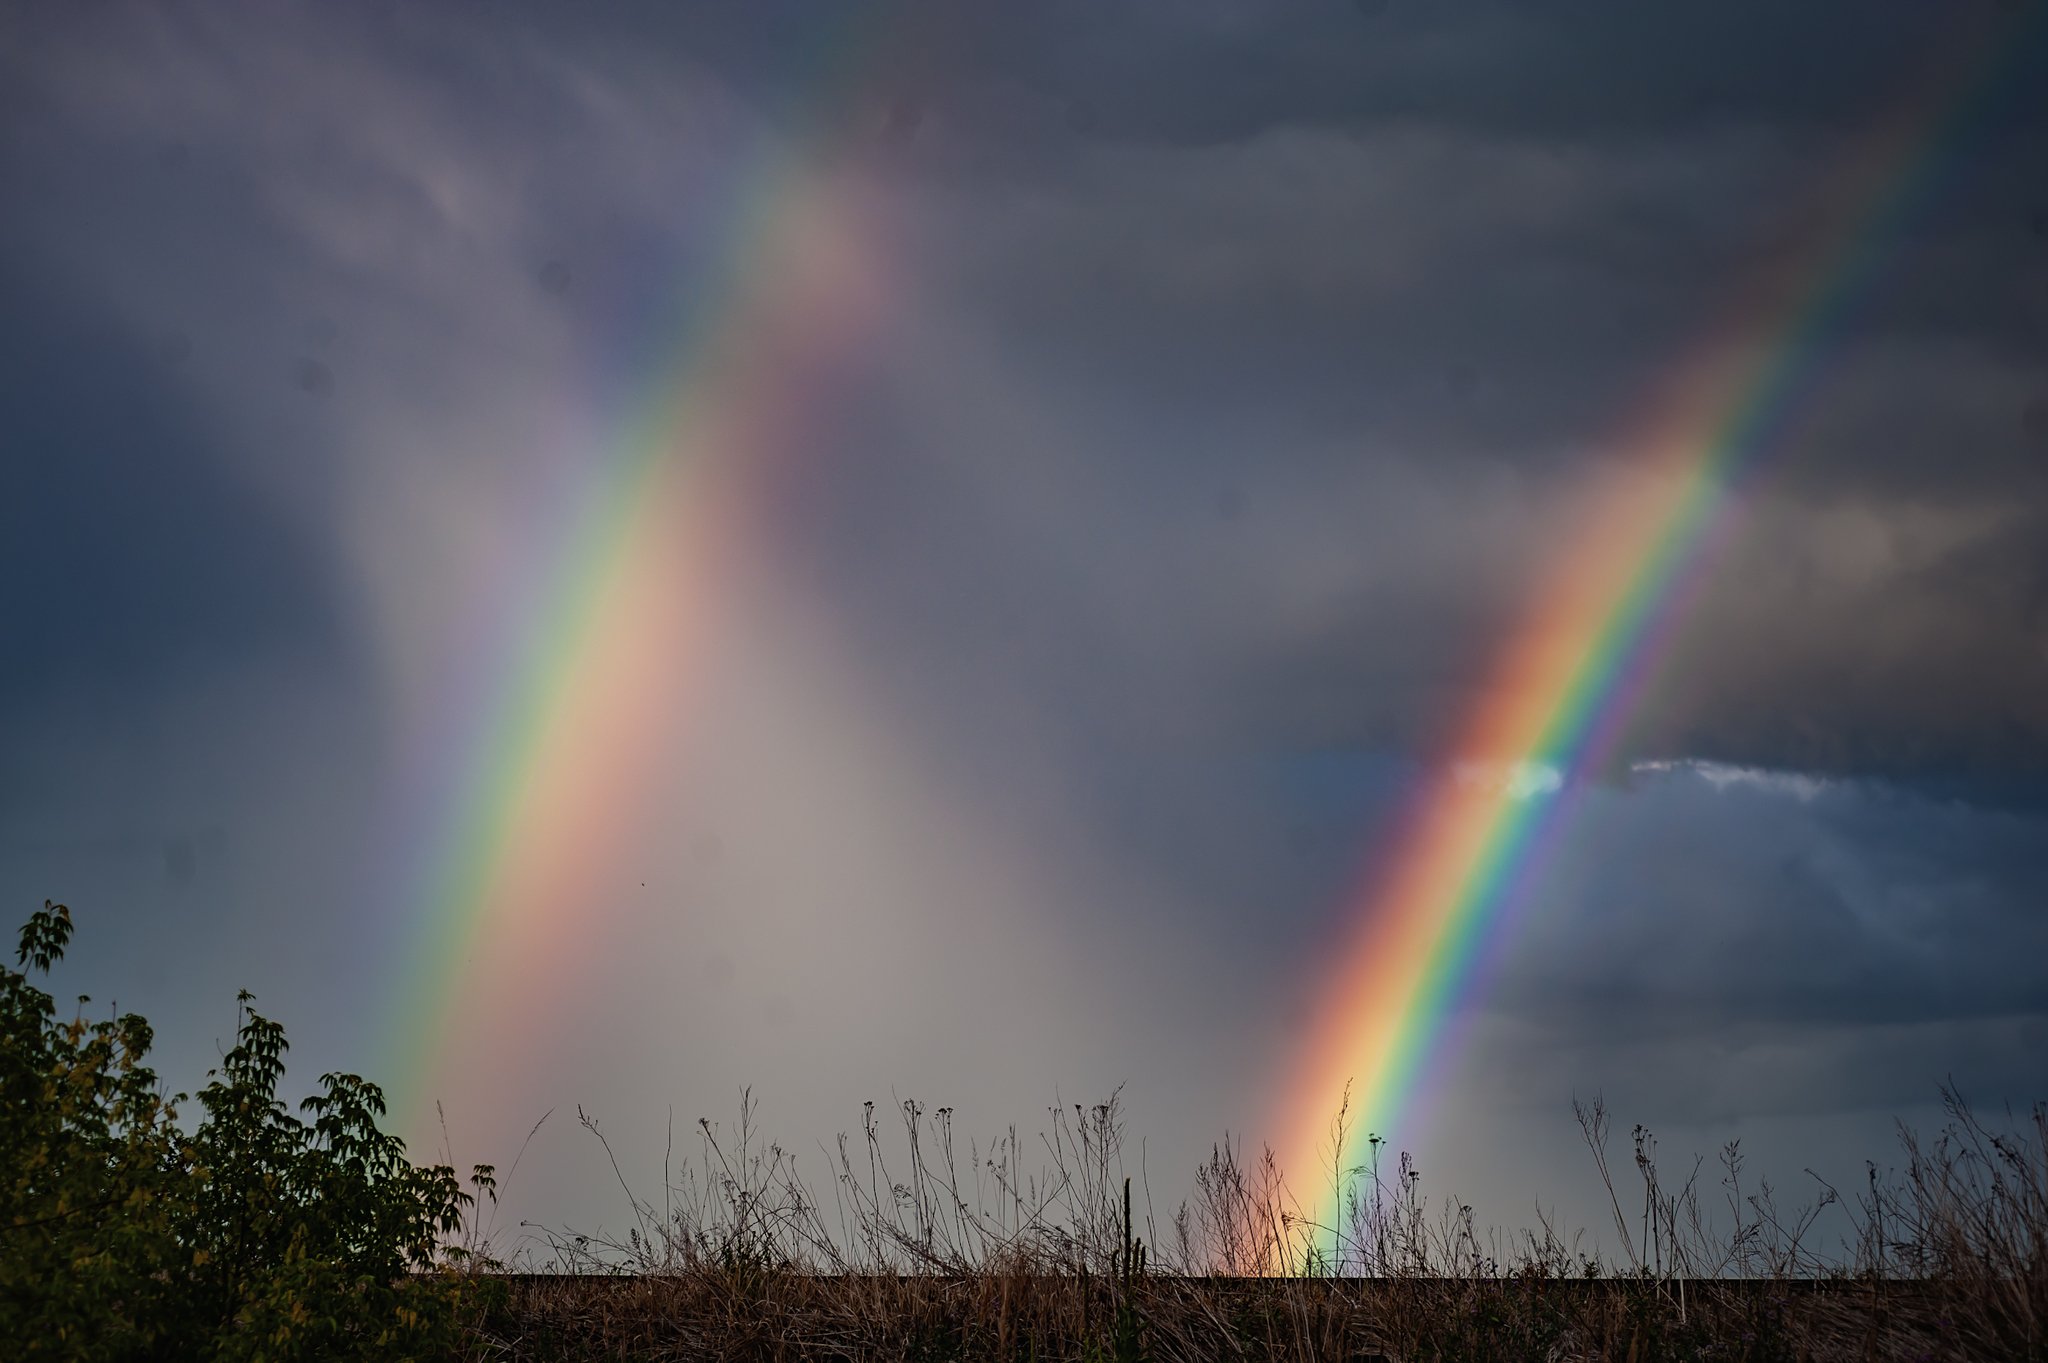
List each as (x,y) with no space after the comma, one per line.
(128,555)
(1244,364)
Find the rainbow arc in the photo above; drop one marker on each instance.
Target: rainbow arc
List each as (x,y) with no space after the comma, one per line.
(1566,684)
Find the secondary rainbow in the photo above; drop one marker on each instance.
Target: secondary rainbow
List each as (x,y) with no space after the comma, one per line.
(1476,841)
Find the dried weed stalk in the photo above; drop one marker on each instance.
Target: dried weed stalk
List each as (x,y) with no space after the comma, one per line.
(1029,1251)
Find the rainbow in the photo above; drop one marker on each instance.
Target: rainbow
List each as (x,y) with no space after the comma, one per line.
(1477,839)
(586,702)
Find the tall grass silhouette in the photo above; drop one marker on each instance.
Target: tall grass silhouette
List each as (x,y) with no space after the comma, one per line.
(926,1246)
(261,1235)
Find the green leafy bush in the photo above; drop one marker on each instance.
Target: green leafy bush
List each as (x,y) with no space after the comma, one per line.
(259,1235)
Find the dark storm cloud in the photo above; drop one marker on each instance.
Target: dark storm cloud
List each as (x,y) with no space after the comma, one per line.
(1804,944)
(1842,901)
(127,555)
(1250,362)
(1343,260)
(1223,70)
(1356,309)
(1405,380)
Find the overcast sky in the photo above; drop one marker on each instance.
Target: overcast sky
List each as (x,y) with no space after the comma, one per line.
(1235,368)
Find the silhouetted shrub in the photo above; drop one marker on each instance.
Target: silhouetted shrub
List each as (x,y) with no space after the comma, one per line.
(256,1236)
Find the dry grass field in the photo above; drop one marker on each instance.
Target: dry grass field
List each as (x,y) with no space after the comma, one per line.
(960,1255)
